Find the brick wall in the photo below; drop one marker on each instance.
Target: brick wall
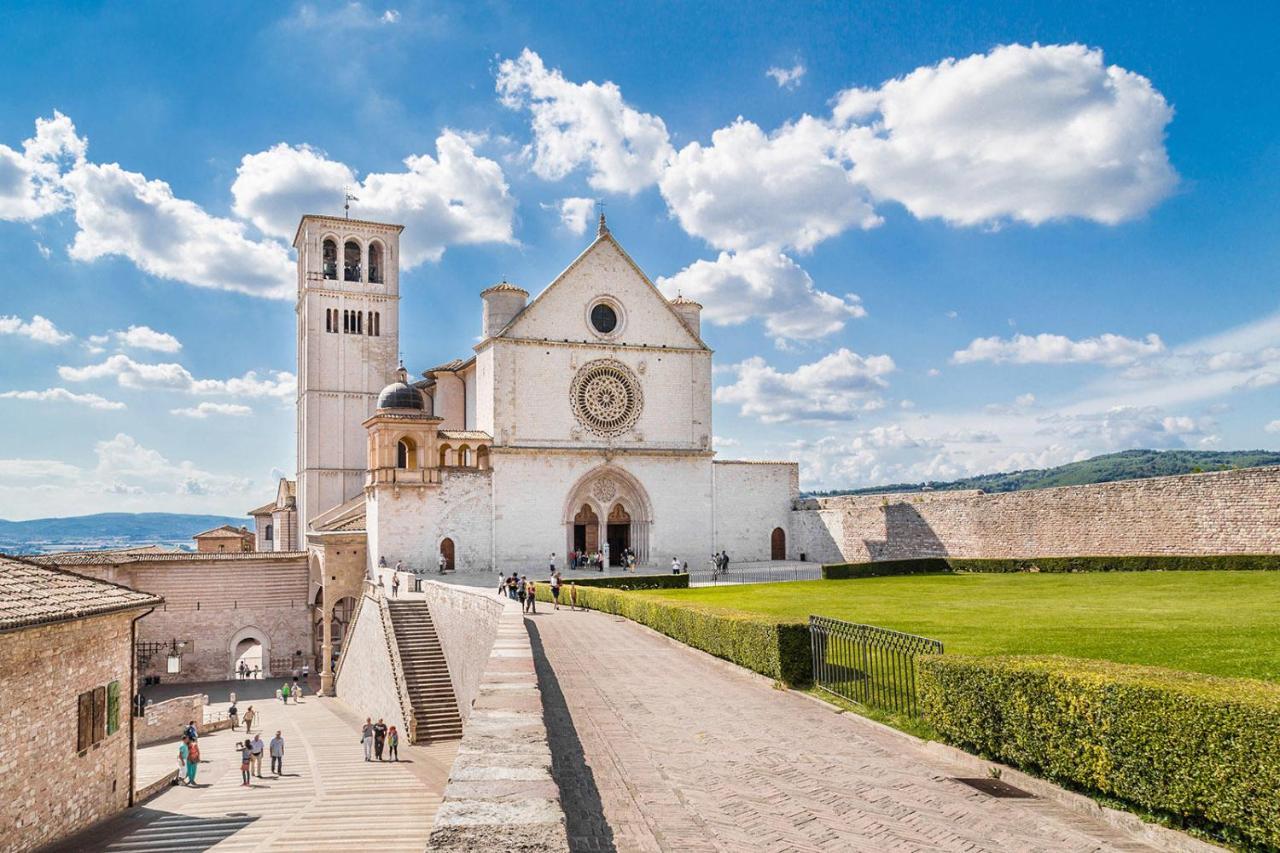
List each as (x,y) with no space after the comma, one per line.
(51,791)
(1215,513)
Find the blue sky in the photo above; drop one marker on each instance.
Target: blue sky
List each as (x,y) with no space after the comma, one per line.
(929,242)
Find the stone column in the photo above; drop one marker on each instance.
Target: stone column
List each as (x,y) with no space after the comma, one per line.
(326,644)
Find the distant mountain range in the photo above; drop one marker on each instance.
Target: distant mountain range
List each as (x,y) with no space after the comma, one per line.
(107,530)
(1126,465)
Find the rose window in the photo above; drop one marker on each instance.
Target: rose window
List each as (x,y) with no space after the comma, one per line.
(606,397)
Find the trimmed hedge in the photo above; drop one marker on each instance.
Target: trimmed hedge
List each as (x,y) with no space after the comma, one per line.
(631,581)
(779,650)
(1201,750)
(1152,563)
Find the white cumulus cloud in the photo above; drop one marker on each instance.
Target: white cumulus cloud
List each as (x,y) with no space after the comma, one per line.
(836,387)
(584,125)
(129,373)
(62,395)
(787,78)
(38,329)
(145,337)
(749,189)
(30,179)
(1108,349)
(575,213)
(1027,133)
(763,283)
(455,198)
(207,409)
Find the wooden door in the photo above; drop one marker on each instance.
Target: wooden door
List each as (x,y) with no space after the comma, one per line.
(778,544)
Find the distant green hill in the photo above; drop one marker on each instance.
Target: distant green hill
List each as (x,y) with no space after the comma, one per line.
(107,530)
(1126,465)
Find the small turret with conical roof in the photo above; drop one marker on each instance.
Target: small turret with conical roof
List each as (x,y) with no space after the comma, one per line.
(502,303)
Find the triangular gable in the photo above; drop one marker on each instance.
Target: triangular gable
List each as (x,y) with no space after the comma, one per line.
(603,268)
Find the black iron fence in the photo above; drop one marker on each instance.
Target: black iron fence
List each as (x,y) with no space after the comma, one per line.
(754,574)
(868,665)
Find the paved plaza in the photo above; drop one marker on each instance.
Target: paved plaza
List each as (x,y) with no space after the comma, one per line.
(659,747)
(328,798)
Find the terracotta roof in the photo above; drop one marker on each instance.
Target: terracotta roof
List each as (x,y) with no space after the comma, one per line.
(110,558)
(32,594)
(465,435)
(504,287)
(684,300)
(56,556)
(265,509)
(224,530)
(450,366)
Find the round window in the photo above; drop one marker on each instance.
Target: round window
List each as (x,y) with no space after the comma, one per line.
(606,397)
(604,319)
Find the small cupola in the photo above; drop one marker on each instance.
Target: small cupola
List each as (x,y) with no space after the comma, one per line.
(400,394)
(690,312)
(502,303)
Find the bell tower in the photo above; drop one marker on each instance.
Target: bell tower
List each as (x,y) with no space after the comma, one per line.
(348,342)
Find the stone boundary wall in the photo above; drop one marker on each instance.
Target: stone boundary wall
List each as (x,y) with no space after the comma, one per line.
(367,679)
(466,621)
(501,795)
(1225,512)
(166,720)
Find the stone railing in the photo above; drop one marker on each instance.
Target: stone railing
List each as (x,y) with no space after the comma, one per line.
(501,794)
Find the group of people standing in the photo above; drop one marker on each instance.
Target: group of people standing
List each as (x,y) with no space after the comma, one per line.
(519,588)
(250,753)
(377,737)
(599,559)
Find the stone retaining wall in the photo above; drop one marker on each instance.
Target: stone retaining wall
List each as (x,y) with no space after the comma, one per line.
(1227,512)
(501,795)
(466,621)
(367,679)
(166,720)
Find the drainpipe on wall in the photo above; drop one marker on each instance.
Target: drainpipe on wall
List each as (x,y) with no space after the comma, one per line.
(133,692)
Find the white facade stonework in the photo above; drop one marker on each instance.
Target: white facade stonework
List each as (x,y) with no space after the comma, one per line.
(583,420)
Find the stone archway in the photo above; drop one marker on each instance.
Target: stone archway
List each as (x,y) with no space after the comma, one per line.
(608,500)
(251,645)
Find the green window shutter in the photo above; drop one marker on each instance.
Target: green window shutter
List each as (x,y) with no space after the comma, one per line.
(113,707)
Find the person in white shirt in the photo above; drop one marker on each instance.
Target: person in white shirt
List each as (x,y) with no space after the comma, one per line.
(675,566)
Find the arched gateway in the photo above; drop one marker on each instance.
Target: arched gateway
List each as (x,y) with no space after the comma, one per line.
(608,507)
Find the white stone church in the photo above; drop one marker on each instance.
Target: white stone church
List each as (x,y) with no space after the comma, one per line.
(580,421)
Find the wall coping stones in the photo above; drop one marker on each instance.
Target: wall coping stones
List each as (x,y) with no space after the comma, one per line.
(501,795)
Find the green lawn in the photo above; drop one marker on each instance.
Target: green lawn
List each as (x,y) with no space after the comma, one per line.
(1225,623)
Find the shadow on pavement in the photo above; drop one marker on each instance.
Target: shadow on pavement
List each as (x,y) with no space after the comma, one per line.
(587,827)
(162,831)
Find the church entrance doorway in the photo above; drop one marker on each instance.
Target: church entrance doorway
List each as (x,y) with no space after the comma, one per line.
(778,544)
(249,654)
(446,551)
(586,530)
(618,534)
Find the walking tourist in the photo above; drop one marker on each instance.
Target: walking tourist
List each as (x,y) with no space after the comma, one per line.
(382,562)
(256,750)
(531,597)
(233,714)
(441,563)
(257,670)
(277,754)
(184,757)
(246,753)
(573,596)
(193,762)
(395,586)
(249,716)
(675,566)
(366,739)
(553,562)
(555,589)
(379,737)
(521,586)
(284,693)
(297,693)
(191,732)
(393,744)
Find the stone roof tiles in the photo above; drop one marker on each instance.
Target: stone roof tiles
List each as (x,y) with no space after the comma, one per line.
(33,594)
(116,558)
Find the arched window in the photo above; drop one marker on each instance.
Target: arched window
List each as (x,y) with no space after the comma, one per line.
(375,262)
(377,323)
(351,261)
(464,456)
(482,457)
(444,455)
(406,454)
(267,537)
(346,321)
(328,321)
(330,259)
(359,322)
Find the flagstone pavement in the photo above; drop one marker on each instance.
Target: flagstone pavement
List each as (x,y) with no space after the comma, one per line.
(328,797)
(658,747)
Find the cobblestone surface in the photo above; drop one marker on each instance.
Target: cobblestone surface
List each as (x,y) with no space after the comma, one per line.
(660,748)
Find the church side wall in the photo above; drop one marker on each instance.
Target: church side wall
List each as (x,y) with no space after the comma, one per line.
(409,526)
(751,499)
(1216,513)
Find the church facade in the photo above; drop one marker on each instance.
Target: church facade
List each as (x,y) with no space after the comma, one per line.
(580,422)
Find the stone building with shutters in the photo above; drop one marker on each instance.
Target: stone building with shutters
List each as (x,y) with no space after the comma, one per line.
(66,678)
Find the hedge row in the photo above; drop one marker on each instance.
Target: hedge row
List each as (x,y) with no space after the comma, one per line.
(667,581)
(1202,750)
(779,650)
(936,565)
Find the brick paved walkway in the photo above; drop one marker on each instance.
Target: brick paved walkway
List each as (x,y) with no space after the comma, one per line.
(660,748)
(327,799)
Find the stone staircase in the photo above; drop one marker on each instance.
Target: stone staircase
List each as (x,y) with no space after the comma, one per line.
(426,674)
